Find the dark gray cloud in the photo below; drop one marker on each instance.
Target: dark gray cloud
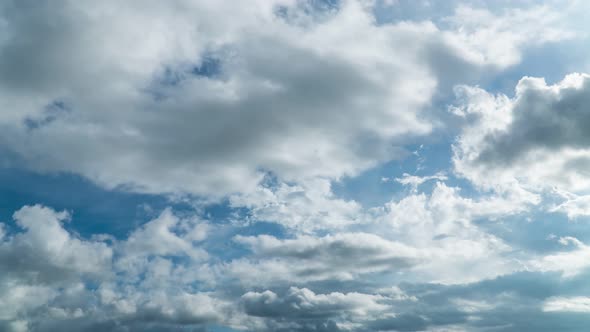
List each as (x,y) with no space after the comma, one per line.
(543,119)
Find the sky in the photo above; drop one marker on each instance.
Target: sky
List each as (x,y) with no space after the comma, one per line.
(294,165)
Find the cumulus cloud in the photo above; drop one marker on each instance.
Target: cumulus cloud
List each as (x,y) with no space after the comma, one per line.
(300,307)
(51,275)
(307,258)
(306,207)
(45,252)
(261,107)
(441,226)
(428,237)
(304,303)
(204,97)
(532,143)
(166,235)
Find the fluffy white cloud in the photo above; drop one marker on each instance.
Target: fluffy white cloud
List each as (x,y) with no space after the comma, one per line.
(118,92)
(266,103)
(49,273)
(166,235)
(46,252)
(490,39)
(535,142)
(301,304)
(441,227)
(305,208)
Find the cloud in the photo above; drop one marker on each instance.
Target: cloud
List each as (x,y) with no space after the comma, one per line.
(219,94)
(166,235)
(414,181)
(343,256)
(302,309)
(567,304)
(52,276)
(442,227)
(306,207)
(303,303)
(45,252)
(261,107)
(570,263)
(532,143)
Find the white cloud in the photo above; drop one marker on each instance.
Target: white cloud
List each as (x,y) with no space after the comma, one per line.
(570,262)
(414,181)
(574,206)
(302,96)
(495,40)
(304,303)
(48,274)
(440,225)
(213,99)
(165,236)
(305,207)
(567,304)
(343,256)
(45,250)
(533,143)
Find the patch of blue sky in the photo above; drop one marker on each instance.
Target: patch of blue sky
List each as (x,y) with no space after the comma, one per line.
(94,210)
(536,231)
(392,11)
(378,185)
(550,61)
(209,66)
(50,113)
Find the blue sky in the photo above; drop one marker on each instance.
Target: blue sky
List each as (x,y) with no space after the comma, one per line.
(294,165)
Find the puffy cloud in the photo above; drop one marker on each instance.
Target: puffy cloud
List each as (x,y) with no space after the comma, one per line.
(426,237)
(441,226)
(46,252)
(307,207)
(496,40)
(203,97)
(267,103)
(304,303)
(300,307)
(51,276)
(342,256)
(533,142)
(166,235)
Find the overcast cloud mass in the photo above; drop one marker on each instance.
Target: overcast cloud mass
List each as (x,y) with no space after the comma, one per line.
(294,165)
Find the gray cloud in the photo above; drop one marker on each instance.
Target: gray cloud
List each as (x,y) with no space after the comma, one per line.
(343,256)
(543,119)
(531,145)
(145,114)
